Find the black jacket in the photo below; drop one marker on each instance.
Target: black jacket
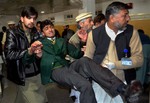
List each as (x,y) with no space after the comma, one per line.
(16,46)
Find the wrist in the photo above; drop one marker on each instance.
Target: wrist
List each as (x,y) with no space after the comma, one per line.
(30,51)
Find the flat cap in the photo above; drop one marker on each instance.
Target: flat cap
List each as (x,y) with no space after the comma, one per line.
(10,22)
(83,16)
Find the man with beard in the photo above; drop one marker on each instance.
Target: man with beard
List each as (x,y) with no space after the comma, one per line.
(116,44)
(84,25)
(19,69)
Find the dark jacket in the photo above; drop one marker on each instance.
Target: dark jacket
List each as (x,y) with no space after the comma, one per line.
(16,46)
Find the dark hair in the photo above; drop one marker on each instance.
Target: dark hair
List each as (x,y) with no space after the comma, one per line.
(4,28)
(141,31)
(38,22)
(67,26)
(99,18)
(44,23)
(29,11)
(114,8)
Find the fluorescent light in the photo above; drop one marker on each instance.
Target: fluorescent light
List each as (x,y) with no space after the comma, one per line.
(42,12)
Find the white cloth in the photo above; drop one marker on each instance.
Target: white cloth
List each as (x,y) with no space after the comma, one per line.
(103,97)
(76,94)
(100,94)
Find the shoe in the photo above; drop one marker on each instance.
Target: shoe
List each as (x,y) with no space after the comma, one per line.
(133,92)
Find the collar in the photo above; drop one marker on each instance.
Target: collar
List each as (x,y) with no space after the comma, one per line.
(111,33)
(51,38)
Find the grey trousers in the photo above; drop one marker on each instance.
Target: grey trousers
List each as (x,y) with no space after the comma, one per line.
(77,74)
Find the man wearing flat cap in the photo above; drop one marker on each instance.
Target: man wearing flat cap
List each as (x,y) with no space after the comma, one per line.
(84,25)
(11,24)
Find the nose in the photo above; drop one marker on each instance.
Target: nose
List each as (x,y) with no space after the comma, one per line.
(32,20)
(92,23)
(128,18)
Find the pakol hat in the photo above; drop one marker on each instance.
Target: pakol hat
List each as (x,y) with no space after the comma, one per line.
(83,16)
(10,22)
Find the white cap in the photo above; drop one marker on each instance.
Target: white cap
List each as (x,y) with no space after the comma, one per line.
(10,22)
(83,16)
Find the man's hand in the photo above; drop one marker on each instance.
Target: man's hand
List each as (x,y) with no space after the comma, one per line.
(35,48)
(82,35)
(83,48)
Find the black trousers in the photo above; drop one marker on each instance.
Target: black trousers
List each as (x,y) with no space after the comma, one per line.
(75,76)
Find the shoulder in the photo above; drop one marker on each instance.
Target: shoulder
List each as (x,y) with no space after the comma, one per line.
(74,38)
(99,29)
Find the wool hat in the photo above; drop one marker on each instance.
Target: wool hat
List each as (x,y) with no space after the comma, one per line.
(83,16)
(10,22)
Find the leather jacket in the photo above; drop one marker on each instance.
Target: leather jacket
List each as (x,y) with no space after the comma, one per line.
(16,46)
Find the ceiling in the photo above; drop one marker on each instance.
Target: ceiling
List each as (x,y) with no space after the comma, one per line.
(14,7)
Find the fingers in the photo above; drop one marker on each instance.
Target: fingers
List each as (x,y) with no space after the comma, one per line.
(83,49)
(36,47)
(36,44)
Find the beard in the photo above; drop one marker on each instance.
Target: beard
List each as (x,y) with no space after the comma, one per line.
(29,26)
(119,26)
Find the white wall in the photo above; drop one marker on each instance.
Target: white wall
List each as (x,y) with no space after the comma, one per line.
(4,19)
(139,6)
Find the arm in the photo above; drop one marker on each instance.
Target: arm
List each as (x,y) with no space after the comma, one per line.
(3,40)
(90,46)
(74,52)
(33,50)
(136,53)
(12,50)
(75,40)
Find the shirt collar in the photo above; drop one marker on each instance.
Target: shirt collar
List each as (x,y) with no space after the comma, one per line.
(111,33)
(51,38)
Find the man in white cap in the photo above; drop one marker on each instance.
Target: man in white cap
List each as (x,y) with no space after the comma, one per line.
(84,25)
(11,24)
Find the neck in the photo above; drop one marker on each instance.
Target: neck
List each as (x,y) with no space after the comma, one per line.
(25,28)
(112,27)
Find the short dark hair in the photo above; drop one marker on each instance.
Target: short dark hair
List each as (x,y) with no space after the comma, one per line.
(141,31)
(38,22)
(29,11)
(44,23)
(99,18)
(67,26)
(4,28)
(114,8)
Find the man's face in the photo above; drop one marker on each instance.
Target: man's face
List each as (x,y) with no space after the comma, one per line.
(38,27)
(87,24)
(121,19)
(28,22)
(11,26)
(49,31)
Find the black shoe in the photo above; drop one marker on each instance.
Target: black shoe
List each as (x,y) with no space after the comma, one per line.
(133,91)
(73,98)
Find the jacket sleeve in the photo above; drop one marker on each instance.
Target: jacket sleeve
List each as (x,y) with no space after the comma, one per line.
(75,40)
(12,52)
(90,46)
(74,52)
